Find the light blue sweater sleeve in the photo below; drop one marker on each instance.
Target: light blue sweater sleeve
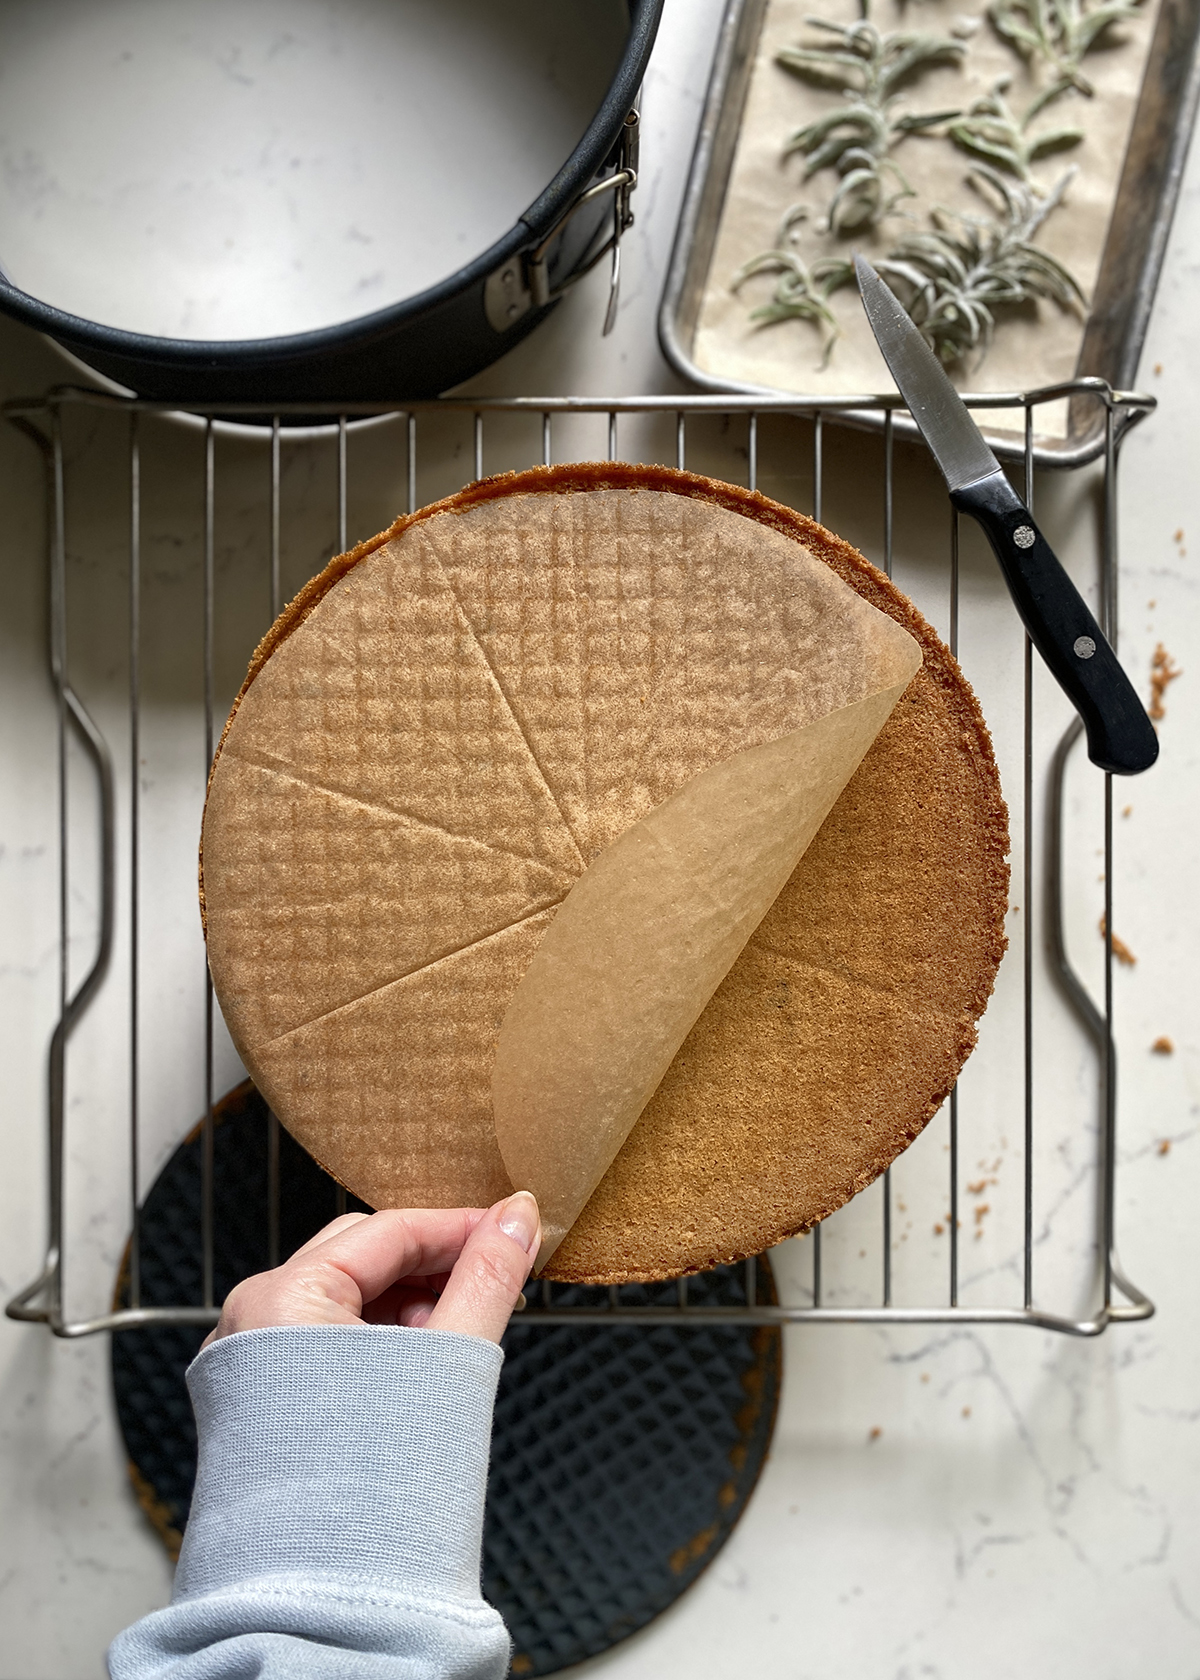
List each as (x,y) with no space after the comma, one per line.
(337,1521)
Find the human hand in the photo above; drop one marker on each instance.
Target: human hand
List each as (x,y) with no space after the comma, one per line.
(434,1268)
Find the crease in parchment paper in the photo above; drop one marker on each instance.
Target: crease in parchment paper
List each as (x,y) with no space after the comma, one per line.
(509,707)
(390,813)
(645,937)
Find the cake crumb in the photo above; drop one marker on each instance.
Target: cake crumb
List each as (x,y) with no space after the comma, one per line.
(1163,672)
(875,1433)
(982,1211)
(1163,1046)
(1127,810)
(966,1411)
(979,1186)
(938,1230)
(1178,537)
(924,1376)
(1158,367)
(1164,1147)
(1120,950)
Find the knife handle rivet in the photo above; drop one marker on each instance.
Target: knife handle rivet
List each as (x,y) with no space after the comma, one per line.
(1024,536)
(1085,647)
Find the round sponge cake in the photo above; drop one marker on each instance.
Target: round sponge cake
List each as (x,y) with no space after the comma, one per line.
(449,725)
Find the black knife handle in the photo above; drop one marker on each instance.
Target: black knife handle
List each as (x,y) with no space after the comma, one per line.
(1120,736)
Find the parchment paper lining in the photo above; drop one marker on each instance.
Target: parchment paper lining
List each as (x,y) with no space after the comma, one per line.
(389,833)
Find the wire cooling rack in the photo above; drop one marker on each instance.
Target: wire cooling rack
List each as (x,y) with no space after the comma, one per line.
(174,539)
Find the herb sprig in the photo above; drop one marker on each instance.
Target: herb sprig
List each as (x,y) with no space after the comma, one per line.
(991,130)
(1060,33)
(871,70)
(802,290)
(954,276)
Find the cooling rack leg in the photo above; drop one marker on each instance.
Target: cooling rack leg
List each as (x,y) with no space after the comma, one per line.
(1108,602)
(1098,1024)
(955,532)
(272,1122)
(273,1255)
(1110,1054)
(135,782)
(889,462)
(273,582)
(206,1128)
(342,482)
(1027,891)
(73,719)
(953,1220)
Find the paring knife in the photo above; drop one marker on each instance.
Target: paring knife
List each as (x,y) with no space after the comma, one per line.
(1120,737)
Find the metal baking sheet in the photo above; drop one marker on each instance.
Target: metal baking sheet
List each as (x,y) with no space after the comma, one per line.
(1127,272)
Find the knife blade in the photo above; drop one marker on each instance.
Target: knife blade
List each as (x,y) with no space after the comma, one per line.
(1120,736)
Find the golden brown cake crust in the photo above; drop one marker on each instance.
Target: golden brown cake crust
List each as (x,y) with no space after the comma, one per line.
(841,1029)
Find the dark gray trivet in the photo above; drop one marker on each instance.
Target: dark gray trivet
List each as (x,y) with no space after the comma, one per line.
(621,1457)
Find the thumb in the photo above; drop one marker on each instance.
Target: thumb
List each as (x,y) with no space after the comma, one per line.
(495,1261)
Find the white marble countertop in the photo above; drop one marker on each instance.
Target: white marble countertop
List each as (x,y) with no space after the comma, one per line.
(939,1502)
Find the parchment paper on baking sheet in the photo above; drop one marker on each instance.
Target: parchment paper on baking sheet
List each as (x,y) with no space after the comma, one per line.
(1035,345)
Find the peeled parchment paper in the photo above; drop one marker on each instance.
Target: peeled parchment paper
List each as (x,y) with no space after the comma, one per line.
(647,934)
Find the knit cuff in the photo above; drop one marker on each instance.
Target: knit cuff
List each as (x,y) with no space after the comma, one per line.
(357,1450)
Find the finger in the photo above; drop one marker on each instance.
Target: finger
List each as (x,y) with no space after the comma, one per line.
(343,1222)
(377,1251)
(496,1259)
(331,1278)
(401,1304)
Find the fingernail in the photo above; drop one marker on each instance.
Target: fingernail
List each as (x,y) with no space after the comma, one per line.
(520,1220)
